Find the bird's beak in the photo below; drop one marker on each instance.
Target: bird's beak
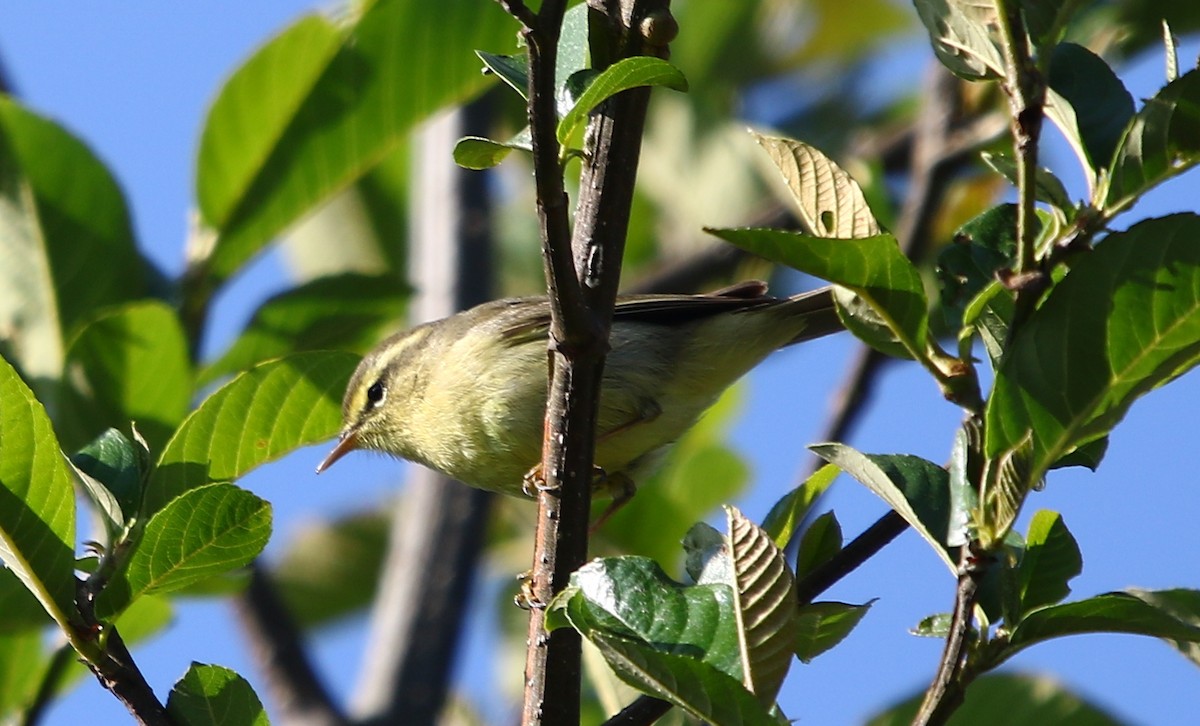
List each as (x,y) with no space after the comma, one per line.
(347,442)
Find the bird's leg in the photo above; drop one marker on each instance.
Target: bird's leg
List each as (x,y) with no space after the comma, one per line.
(621,488)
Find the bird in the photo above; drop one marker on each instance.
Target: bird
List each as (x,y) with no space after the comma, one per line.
(466,395)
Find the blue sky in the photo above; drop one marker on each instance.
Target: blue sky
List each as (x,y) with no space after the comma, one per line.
(133,79)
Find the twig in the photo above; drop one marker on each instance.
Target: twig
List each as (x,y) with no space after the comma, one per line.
(117,672)
(582,277)
(861,548)
(49,685)
(279,649)
(946,692)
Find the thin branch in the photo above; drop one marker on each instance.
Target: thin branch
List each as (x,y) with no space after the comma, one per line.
(946,692)
(521,12)
(278,646)
(851,557)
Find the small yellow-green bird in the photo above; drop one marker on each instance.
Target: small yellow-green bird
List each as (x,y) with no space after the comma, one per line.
(466,395)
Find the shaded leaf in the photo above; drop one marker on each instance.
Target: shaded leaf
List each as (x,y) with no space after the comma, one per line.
(128,364)
(65,237)
(1051,560)
(512,69)
(111,471)
(821,541)
(210,695)
(1089,104)
(260,415)
(1125,320)
(335,120)
(1115,612)
(22,611)
(37,502)
(331,569)
(917,489)
(1005,699)
(623,75)
(1047,187)
(200,534)
(341,312)
(693,685)
(792,508)
(822,625)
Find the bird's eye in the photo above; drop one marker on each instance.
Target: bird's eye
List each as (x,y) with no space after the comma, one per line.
(375,394)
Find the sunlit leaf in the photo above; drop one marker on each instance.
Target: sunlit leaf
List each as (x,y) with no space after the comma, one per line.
(1124,321)
(1162,141)
(1005,699)
(37,502)
(792,508)
(330,122)
(1115,612)
(343,312)
(821,541)
(1050,561)
(210,695)
(260,415)
(202,533)
(623,75)
(475,152)
(829,201)
(129,364)
(822,625)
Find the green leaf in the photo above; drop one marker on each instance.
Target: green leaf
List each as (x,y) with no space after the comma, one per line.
(872,267)
(331,569)
(328,124)
(128,364)
(764,598)
(963,35)
(22,666)
(37,502)
(821,541)
(1047,187)
(341,312)
(1089,104)
(210,695)
(822,625)
(22,611)
(933,626)
(476,152)
(259,416)
(1051,560)
(632,598)
(65,237)
(1125,320)
(1115,612)
(917,489)
(791,509)
(829,201)
(693,685)
(111,470)
(1162,141)
(1006,699)
(623,75)
(202,533)
(1182,604)
(967,267)
(512,69)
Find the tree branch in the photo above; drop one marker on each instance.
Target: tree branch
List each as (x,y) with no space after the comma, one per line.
(278,647)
